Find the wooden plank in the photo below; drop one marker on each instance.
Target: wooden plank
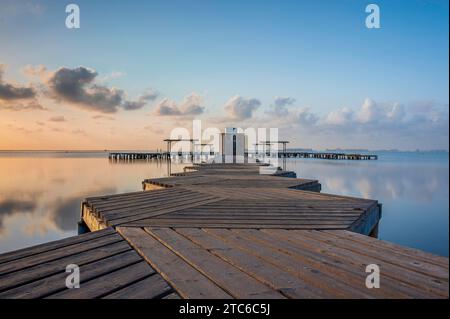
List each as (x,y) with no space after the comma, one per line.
(249,221)
(171,202)
(237,283)
(156,223)
(289,254)
(42,270)
(403,261)
(261,217)
(277,278)
(41,248)
(153,213)
(33,260)
(280,215)
(172,296)
(57,283)
(330,274)
(117,198)
(188,282)
(392,248)
(136,202)
(153,287)
(111,199)
(428,284)
(108,283)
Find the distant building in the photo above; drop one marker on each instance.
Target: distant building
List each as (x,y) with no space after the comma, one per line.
(232,146)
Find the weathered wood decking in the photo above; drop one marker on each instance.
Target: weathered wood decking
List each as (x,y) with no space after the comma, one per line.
(232,196)
(109,268)
(279,263)
(225,231)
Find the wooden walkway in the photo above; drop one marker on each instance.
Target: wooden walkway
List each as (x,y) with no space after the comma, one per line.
(279,263)
(109,268)
(225,231)
(242,199)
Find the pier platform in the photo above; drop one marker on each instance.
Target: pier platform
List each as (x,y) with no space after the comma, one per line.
(225,231)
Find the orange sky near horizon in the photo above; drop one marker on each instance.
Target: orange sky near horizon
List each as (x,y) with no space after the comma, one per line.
(37,130)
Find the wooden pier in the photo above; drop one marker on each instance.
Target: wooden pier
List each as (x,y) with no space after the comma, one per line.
(329,156)
(226,231)
(146,156)
(134,156)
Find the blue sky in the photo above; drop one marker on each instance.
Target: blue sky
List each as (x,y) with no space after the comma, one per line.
(319,53)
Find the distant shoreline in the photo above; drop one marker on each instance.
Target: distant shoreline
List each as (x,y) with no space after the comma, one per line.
(289,149)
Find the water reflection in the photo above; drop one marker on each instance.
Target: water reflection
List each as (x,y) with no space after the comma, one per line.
(12,206)
(413,189)
(40,194)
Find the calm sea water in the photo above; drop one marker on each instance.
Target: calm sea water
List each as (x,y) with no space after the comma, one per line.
(40,193)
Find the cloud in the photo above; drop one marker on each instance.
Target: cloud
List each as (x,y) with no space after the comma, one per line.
(10,92)
(15,97)
(39,71)
(21,106)
(167,107)
(387,125)
(141,102)
(102,117)
(305,117)
(78,86)
(111,76)
(397,112)
(59,118)
(397,115)
(239,108)
(284,114)
(280,106)
(283,101)
(339,117)
(371,125)
(190,106)
(369,112)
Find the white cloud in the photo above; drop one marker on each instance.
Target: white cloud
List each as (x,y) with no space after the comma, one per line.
(306,118)
(369,111)
(339,117)
(239,108)
(190,106)
(283,101)
(280,106)
(397,112)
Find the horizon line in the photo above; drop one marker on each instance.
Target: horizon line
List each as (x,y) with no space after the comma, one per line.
(149,150)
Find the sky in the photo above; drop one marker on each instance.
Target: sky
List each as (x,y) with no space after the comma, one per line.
(136,70)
